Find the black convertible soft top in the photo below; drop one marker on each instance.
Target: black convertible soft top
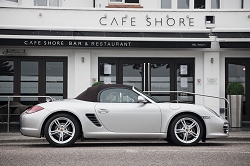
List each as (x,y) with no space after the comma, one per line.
(91,94)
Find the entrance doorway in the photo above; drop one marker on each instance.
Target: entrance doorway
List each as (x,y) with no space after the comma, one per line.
(151,74)
(237,70)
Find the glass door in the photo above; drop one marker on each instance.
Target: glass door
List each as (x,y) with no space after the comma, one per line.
(133,72)
(184,69)
(159,77)
(54,79)
(237,70)
(151,74)
(29,81)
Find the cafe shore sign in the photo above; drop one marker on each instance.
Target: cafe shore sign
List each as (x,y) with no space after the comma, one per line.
(106,43)
(148,21)
(111,21)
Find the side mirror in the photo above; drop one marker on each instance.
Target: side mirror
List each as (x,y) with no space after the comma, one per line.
(142,100)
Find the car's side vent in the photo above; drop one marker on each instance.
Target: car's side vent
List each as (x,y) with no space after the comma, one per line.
(93,119)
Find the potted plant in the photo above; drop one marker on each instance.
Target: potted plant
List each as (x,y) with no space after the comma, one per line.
(235,92)
(97,83)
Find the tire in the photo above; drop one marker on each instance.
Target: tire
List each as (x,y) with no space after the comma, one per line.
(62,130)
(186,130)
(169,140)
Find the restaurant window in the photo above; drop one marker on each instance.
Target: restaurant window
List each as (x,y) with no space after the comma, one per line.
(215,4)
(54,79)
(166,4)
(33,77)
(199,4)
(6,77)
(13,0)
(108,70)
(183,4)
(245,4)
(46,3)
(124,1)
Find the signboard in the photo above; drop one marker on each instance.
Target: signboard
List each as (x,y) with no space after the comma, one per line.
(104,43)
(211,81)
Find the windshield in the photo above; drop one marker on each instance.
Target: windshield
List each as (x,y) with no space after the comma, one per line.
(151,97)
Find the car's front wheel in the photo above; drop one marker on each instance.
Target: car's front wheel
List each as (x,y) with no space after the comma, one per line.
(62,130)
(186,129)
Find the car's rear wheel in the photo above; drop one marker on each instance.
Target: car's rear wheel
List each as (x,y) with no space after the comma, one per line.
(62,130)
(186,129)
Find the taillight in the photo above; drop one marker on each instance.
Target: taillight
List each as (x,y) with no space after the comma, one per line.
(34,109)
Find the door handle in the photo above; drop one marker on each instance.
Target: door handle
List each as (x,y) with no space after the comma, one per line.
(144,76)
(149,77)
(103,111)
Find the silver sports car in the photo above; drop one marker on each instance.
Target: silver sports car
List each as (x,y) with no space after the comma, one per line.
(121,112)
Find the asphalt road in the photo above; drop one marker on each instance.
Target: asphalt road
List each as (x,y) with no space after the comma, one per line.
(127,153)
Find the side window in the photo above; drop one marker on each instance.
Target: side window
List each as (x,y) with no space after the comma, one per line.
(118,95)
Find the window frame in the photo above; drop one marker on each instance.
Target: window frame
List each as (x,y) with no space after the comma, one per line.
(123,2)
(217,2)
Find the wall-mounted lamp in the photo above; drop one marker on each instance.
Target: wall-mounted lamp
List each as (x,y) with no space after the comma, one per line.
(244,68)
(147,16)
(248,16)
(212,60)
(126,16)
(105,15)
(40,14)
(167,16)
(82,59)
(187,16)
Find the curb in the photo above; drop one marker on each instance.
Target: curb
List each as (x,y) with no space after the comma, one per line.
(43,140)
(16,137)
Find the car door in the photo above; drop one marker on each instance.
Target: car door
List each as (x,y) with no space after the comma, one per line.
(124,114)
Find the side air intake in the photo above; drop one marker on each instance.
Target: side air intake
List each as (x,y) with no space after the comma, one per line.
(93,119)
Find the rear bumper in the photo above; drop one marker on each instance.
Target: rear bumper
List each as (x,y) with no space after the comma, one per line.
(31,124)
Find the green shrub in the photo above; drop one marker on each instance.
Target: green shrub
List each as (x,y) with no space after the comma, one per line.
(97,83)
(235,88)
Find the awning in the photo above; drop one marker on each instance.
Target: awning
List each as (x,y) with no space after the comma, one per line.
(233,39)
(98,39)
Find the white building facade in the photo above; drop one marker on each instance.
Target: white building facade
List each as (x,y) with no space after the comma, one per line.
(61,47)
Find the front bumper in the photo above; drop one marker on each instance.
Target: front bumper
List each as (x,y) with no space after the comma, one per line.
(217,128)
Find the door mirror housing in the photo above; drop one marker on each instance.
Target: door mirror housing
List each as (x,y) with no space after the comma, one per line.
(142,100)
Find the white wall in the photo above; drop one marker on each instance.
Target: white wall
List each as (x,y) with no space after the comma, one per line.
(199,78)
(149,4)
(79,72)
(212,79)
(56,19)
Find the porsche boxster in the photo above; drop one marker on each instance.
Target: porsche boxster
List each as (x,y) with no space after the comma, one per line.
(113,111)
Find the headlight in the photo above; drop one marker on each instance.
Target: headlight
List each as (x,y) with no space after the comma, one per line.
(215,113)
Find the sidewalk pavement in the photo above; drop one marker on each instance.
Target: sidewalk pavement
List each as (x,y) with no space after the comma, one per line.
(17,137)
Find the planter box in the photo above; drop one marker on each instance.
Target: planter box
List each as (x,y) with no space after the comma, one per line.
(236,106)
